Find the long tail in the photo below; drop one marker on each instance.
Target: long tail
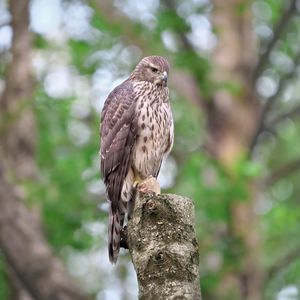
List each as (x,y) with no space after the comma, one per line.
(116,220)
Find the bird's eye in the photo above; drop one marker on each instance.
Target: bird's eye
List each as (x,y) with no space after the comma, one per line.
(154,70)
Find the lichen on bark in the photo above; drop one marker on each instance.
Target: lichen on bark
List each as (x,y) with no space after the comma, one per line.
(162,243)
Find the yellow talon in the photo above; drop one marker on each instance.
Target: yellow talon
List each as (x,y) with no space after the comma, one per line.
(150,186)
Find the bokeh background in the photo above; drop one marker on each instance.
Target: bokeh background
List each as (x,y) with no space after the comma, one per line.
(235,98)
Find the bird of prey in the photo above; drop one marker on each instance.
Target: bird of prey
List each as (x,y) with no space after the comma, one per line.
(136,133)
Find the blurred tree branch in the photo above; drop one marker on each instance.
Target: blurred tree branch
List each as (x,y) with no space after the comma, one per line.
(184,40)
(115,18)
(270,102)
(277,32)
(16,288)
(293,113)
(186,83)
(283,262)
(283,171)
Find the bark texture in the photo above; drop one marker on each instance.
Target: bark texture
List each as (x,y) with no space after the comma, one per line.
(162,243)
(16,287)
(17,124)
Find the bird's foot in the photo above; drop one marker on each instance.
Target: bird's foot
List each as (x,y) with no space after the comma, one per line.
(149,186)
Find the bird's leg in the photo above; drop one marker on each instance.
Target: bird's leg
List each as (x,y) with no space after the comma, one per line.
(149,186)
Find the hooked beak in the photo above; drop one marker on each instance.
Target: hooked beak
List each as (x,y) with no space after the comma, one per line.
(164,78)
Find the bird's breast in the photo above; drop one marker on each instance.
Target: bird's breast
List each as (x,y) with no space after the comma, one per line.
(155,124)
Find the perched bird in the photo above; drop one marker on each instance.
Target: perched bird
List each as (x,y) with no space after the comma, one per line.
(136,133)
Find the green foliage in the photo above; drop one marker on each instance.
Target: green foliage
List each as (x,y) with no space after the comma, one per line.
(169,19)
(80,51)
(40,42)
(247,169)
(188,127)
(102,22)
(61,192)
(242,8)
(231,86)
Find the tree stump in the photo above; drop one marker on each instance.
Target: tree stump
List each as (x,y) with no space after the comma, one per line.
(162,243)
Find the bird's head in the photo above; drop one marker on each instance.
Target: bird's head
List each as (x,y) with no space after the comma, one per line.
(154,69)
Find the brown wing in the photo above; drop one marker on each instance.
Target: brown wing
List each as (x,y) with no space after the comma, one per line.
(118,135)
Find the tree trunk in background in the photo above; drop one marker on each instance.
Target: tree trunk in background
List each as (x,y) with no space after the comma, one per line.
(17,127)
(34,271)
(231,121)
(27,251)
(16,288)
(162,242)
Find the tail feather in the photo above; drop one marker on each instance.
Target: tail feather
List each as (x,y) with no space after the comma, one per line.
(116,220)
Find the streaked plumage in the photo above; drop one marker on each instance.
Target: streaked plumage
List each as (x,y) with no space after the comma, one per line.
(136,133)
